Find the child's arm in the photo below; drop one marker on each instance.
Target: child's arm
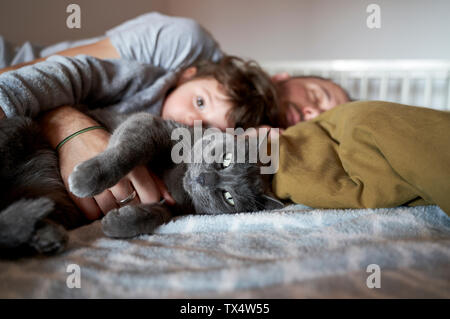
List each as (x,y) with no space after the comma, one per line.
(70,81)
(102,49)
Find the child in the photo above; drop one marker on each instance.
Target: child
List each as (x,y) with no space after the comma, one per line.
(230,92)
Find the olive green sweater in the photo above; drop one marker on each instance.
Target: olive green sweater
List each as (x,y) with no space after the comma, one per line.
(367,154)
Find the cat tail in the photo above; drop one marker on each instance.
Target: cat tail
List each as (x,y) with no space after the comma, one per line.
(24,229)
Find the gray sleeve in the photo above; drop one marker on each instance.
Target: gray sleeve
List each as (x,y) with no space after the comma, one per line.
(168,42)
(72,80)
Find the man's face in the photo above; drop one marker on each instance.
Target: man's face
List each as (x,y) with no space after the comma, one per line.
(304,98)
(198,99)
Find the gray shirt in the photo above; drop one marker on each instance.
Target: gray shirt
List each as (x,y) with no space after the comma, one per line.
(153,47)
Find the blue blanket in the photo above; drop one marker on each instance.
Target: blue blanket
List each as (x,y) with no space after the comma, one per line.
(292,253)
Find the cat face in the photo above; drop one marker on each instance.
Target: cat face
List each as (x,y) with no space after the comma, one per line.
(226,180)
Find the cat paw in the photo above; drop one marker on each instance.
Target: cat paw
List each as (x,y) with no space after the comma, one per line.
(49,238)
(19,221)
(25,229)
(86,179)
(121,223)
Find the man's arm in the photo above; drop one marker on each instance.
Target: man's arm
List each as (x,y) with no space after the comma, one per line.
(64,121)
(102,49)
(153,38)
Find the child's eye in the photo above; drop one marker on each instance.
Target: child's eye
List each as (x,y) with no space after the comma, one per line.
(200,102)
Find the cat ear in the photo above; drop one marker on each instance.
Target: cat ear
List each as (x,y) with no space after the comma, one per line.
(272,203)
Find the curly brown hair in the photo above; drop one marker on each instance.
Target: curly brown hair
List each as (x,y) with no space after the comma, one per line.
(249,88)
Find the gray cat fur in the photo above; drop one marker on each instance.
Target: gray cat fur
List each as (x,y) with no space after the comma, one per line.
(34,202)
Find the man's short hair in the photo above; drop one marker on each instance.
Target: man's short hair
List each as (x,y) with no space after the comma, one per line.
(248,87)
(324,79)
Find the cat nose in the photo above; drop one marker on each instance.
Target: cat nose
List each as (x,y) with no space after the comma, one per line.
(206,179)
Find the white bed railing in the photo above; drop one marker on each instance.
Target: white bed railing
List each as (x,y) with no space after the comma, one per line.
(415,82)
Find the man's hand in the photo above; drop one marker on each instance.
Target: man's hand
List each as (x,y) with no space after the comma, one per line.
(64,121)
(88,145)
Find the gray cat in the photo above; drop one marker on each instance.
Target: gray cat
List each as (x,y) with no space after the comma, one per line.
(35,205)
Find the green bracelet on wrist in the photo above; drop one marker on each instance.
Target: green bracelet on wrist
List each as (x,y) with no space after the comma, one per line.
(78,133)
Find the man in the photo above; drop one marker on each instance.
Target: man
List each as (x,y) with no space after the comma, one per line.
(302,98)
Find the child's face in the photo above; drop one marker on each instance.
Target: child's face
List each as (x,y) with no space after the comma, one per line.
(198,99)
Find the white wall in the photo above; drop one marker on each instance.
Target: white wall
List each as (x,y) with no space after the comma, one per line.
(260,29)
(324,29)
(44,21)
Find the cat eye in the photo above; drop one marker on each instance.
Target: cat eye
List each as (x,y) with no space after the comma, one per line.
(227,160)
(228,198)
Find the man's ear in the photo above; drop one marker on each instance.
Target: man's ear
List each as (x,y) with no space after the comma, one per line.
(187,74)
(280,77)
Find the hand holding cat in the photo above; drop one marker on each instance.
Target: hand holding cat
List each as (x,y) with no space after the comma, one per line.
(61,122)
(148,187)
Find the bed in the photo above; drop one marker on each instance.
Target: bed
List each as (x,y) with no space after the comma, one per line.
(296,252)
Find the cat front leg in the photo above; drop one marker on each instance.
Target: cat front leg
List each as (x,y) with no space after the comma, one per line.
(135,142)
(97,174)
(131,221)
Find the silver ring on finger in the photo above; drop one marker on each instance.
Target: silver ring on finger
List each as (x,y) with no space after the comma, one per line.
(126,200)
